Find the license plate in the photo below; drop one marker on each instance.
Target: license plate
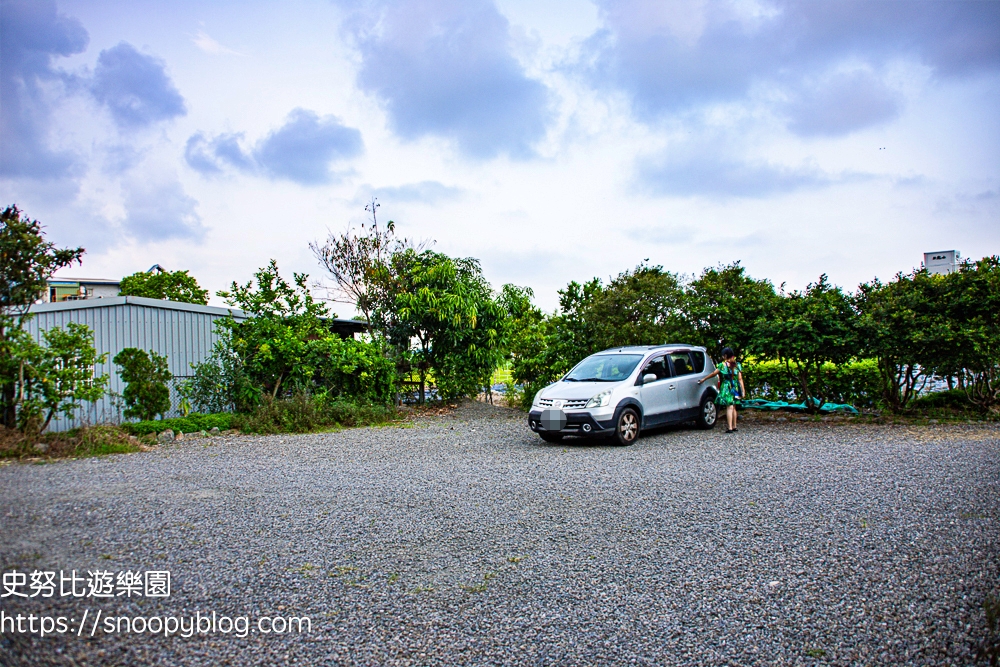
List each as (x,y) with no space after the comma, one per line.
(553,420)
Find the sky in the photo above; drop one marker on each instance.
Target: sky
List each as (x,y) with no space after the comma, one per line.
(554,141)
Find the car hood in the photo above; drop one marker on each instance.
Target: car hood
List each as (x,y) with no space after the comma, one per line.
(577,390)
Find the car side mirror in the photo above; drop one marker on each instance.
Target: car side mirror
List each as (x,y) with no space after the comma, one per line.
(648,377)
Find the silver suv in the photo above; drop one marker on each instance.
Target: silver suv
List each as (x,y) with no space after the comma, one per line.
(618,392)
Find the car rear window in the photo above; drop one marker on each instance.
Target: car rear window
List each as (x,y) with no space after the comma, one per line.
(699,361)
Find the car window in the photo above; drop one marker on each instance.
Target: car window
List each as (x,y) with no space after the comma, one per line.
(682,363)
(699,361)
(604,368)
(657,367)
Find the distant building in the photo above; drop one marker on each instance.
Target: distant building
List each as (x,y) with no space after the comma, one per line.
(78,289)
(941,262)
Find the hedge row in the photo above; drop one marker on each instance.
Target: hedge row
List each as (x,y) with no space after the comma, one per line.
(856,383)
(190,424)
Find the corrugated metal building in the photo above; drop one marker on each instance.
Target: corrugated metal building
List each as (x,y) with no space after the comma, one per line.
(183,332)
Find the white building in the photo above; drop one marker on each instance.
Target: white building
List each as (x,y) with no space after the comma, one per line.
(941,262)
(78,289)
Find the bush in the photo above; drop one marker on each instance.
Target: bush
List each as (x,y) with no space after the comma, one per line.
(190,424)
(948,403)
(856,382)
(146,376)
(303,413)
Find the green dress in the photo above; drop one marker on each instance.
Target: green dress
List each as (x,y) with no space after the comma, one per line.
(729,384)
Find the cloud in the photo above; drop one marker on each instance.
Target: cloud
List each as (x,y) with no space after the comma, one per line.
(842,103)
(669,57)
(301,150)
(32,34)
(205,42)
(160,209)
(135,87)
(715,176)
(445,69)
(424,192)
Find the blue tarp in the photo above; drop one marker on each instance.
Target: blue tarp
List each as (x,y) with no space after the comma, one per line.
(761,404)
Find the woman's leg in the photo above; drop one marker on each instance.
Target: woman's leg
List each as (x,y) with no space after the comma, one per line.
(731,416)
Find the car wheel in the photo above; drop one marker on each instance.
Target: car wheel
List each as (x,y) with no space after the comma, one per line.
(627,427)
(551,437)
(708,414)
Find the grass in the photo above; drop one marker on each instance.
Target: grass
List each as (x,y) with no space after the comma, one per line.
(76,443)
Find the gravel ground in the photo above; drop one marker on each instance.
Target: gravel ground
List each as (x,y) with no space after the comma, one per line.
(464,539)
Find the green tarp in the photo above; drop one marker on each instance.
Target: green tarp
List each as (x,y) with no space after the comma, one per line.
(761,404)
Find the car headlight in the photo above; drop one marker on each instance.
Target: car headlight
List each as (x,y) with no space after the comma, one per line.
(600,400)
(534,401)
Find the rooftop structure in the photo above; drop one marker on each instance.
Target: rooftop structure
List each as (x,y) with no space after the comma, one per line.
(78,289)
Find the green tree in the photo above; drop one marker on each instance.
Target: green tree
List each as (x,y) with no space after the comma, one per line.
(723,306)
(898,325)
(285,346)
(27,261)
(445,305)
(967,333)
(55,377)
(358,261)
(275,344)
(168,285)
(146,378)
(806,330)
(643,306)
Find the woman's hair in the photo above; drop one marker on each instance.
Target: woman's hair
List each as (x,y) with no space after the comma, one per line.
(727,352)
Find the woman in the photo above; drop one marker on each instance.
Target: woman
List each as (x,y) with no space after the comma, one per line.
(731,387)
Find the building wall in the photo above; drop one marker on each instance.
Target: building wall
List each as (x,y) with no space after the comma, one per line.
(184,333)
(102,290)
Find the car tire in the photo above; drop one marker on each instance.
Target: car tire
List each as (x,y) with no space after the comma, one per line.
(627,427)
(551,437)
(708,413)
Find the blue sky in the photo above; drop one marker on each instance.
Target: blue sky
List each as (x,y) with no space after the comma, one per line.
(555,141)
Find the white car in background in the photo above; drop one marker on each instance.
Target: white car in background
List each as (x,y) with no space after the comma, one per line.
(619,392)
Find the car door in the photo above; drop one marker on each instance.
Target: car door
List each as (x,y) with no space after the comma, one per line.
(685,378)
(659,397)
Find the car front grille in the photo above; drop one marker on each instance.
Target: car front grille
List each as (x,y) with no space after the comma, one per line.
(570,404)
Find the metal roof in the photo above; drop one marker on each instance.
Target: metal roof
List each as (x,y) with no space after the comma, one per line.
(112,301)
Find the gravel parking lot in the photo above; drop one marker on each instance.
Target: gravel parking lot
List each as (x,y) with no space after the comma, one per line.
(464,539)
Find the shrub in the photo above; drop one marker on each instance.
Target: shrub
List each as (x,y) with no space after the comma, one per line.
(146,376)
(190,424)
(303,413)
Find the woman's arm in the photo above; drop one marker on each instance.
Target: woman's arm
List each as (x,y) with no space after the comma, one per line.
(743,390)
(709,376)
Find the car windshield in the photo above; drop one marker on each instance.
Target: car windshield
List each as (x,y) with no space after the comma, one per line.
(604,368)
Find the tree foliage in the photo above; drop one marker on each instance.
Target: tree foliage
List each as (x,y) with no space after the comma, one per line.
(357,260)
(146,377)
(168,285)
(27,261)
(55,377)
(806,330)
(723,306)
(285,346)
(442,315)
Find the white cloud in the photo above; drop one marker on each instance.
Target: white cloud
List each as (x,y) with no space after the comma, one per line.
(207,44)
